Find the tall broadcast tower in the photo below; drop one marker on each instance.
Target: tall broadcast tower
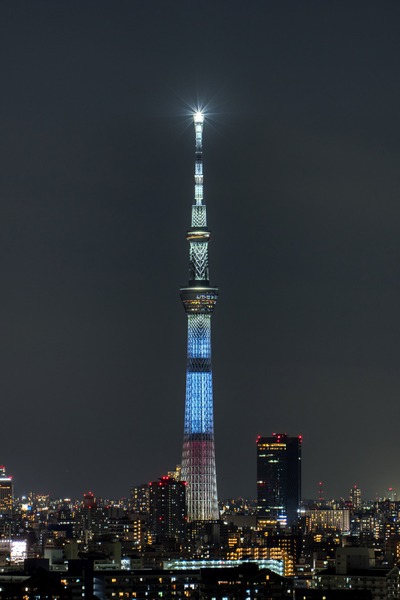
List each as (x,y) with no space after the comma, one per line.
(199,300)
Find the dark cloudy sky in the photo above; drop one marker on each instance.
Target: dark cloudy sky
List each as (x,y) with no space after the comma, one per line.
(302,186)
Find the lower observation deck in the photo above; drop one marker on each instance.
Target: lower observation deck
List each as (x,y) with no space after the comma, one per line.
(199,299)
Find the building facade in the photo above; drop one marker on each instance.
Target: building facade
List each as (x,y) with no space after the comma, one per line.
(322,520)
(199,300)
(6,494)
(278,480)
(168,509)
(140,502)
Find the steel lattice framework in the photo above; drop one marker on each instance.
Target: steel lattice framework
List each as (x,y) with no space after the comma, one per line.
(199,299)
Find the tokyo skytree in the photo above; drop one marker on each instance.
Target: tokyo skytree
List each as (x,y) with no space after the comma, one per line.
(199,300)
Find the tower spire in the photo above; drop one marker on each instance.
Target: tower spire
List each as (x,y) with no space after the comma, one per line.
(198,234)
(199,300)
(198,167)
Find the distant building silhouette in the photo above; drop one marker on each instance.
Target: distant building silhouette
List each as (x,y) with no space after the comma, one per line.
(90,518)
(140,503)
(6,493)
(278,479)
(168,509)
(355,497)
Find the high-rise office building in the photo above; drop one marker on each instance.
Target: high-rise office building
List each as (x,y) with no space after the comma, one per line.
(90,518)
(6,494)
(355,497)
(168,509)
(278,479)
(140,503)
(199,300)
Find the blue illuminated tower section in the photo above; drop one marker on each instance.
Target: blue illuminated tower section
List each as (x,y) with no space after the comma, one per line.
(199,300)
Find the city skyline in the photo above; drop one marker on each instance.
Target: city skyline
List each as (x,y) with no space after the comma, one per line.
(96,158)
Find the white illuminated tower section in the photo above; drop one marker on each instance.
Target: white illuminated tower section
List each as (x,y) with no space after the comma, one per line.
(199,299)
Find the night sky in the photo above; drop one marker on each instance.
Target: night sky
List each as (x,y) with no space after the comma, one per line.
(302,181)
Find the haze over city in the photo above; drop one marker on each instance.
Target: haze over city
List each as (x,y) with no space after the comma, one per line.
(301,162)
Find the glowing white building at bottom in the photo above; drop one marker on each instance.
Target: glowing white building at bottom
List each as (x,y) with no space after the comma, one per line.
(16,549)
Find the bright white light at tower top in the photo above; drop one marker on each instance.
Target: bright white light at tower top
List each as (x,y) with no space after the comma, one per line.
(198,117)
